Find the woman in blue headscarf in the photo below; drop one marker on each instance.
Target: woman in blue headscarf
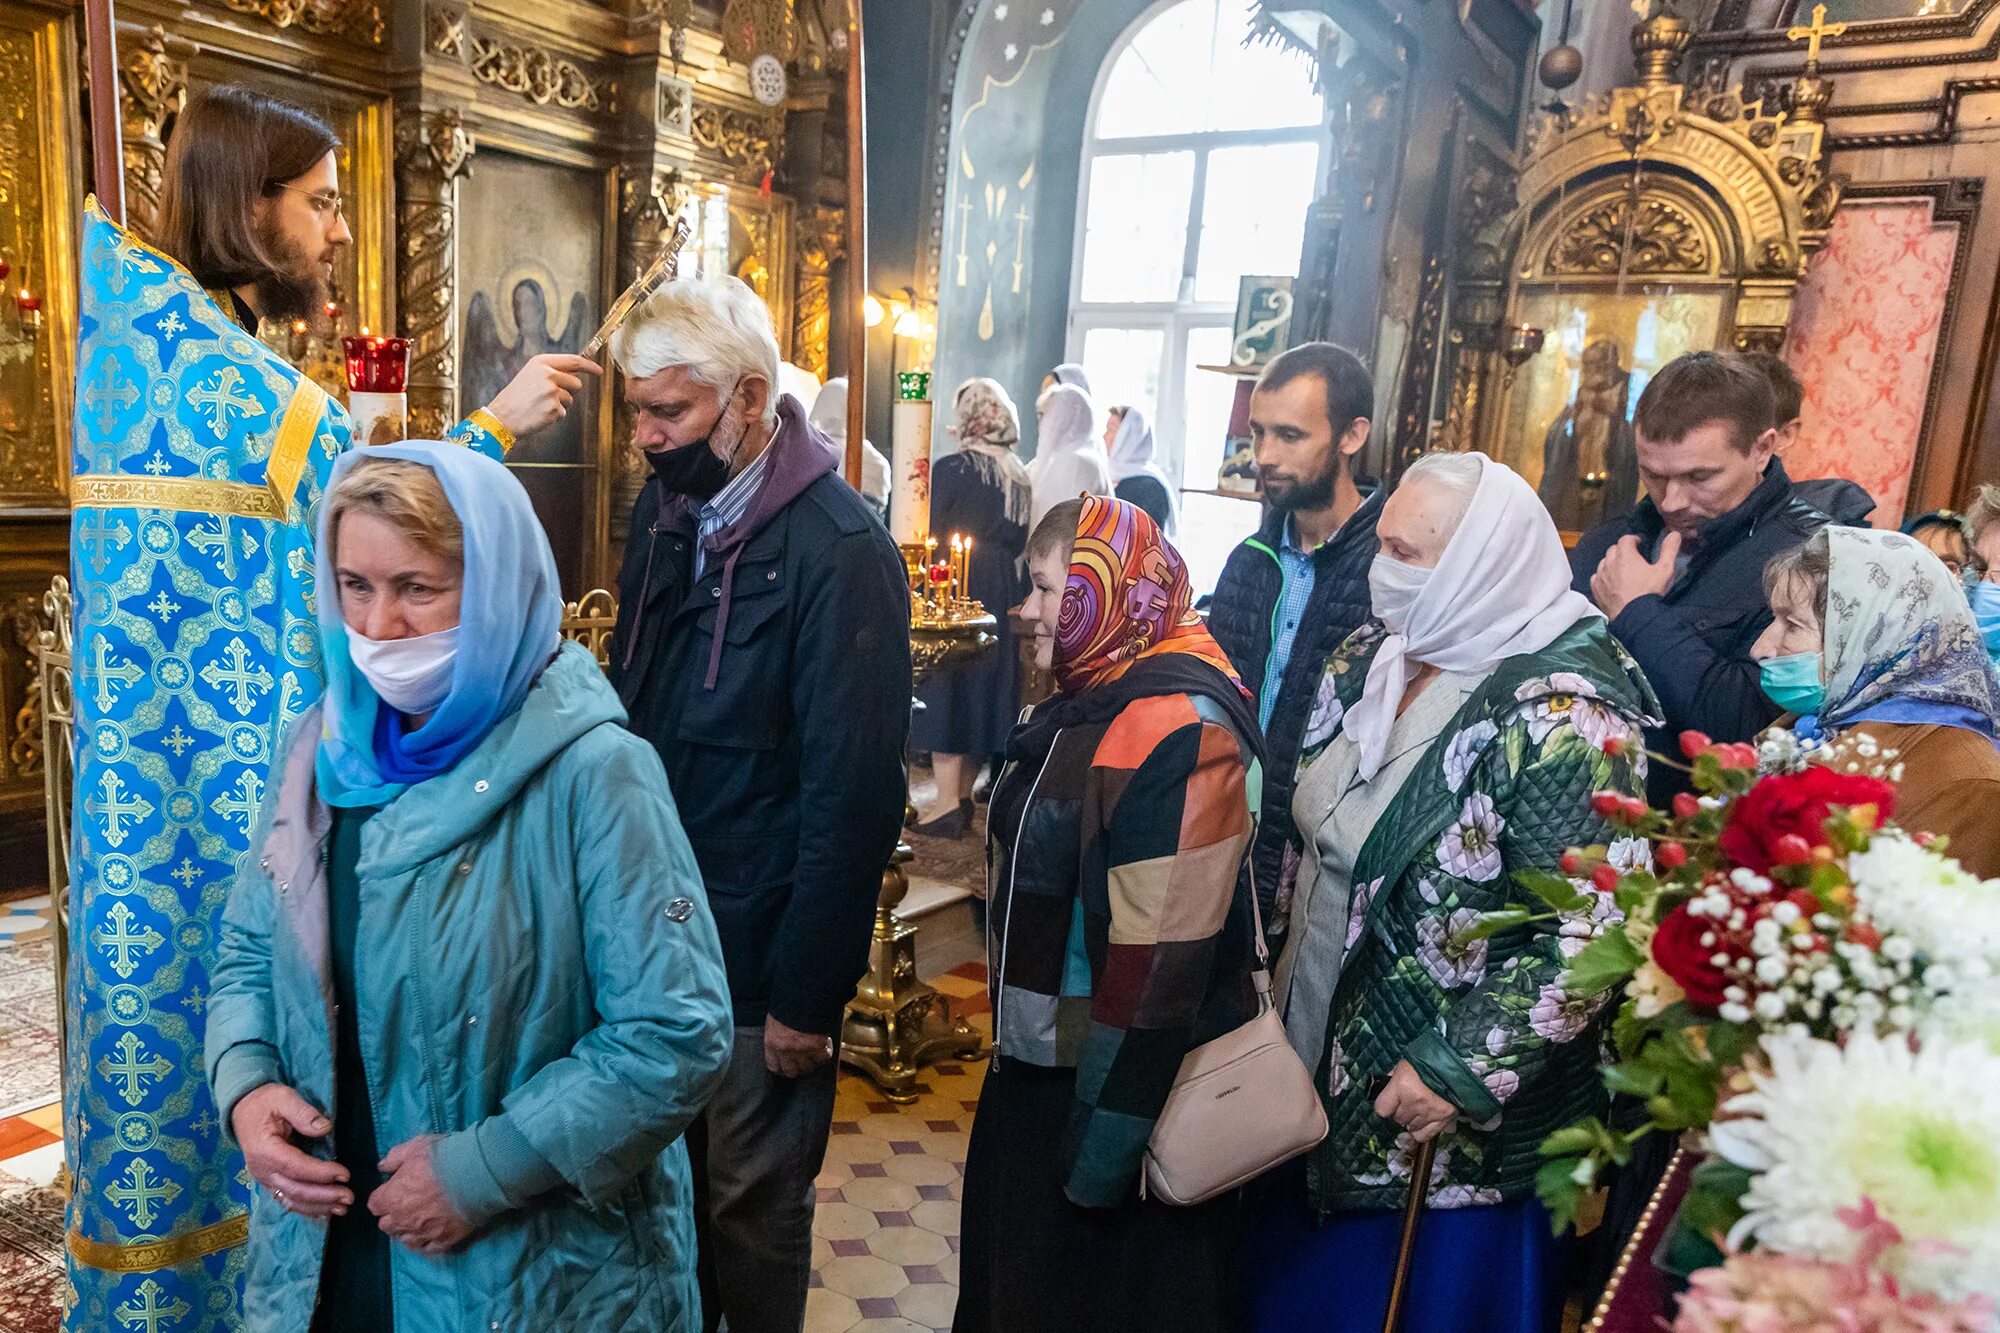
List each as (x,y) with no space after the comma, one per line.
(469,993)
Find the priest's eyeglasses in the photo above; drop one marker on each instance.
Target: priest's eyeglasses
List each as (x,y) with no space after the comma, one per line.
(323,201)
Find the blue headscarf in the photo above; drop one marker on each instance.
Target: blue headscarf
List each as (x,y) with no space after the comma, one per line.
(510,613)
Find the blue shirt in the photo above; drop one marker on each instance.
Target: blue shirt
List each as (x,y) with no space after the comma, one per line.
(729,504)
(1295,567)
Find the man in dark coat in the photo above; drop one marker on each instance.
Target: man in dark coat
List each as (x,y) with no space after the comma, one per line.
(1682,576)
(1292,592)
(763,648)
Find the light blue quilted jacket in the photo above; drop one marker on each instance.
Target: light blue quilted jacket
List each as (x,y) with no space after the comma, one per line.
(540,981)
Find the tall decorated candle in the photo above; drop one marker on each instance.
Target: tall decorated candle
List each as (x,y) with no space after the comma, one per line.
(910,463)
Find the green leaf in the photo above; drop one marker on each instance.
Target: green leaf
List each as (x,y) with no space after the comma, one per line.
(1634,1080)
(1556,1186)
(1607,961)
(1492,923)
(1727,1042)
(1555,890)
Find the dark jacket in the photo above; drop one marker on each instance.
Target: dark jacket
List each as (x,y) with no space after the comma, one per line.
(1845,502)
(1242,617)
(1694,642)
(782,731)
(1120,926)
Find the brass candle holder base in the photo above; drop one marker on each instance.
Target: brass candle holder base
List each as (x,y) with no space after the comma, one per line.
(895,1024)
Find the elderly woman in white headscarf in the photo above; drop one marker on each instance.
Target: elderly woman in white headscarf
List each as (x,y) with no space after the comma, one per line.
(829,414)
(1128,438)
(1456,740)
(1069,458)
(1070,373)
(982,492)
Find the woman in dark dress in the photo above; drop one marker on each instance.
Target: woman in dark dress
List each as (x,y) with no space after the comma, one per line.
(982,492)
(1135,477)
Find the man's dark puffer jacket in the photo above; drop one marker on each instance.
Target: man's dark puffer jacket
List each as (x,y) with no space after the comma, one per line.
(1242,617)
(1694,643)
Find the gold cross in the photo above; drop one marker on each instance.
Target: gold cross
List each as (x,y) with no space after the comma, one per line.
(1813,34)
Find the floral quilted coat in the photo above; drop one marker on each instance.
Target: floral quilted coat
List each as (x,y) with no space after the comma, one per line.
(1486,1023)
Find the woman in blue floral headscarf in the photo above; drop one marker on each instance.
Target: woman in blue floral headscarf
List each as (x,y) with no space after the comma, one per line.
(1874,649)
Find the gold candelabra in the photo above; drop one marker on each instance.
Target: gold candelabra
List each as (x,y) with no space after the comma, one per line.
(896,1024)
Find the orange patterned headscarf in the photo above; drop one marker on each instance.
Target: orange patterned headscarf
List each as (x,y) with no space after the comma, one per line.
(1127,598)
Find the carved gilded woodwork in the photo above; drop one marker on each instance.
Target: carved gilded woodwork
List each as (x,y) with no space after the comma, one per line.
(152,87)
(433,151)
(356,20)
(751,28)
(1651,236)
(542,76)
(673,106)
(749,139)
(822,243)
(444,31)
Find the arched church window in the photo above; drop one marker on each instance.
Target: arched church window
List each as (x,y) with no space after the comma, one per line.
(1201,157)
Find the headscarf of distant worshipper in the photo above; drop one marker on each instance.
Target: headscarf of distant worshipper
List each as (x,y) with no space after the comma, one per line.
(1069,457)
(1070,373)
(983,492)
(829,414)
(1109,966)
(1456,740)
(1982,524)
(1128,440)
(476,877)
(1873,649)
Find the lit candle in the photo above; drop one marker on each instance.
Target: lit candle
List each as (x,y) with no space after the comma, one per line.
(957,555)
(29,307)
(28,301)
(965,572)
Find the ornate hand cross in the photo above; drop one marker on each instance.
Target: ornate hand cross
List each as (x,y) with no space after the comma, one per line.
(1813,34)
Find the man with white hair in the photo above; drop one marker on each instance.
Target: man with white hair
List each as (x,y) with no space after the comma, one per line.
(763,647)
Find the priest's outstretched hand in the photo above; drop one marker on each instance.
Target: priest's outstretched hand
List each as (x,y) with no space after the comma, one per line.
(540,394)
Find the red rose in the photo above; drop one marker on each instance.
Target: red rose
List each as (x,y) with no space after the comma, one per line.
(1678,952)
(1797,804)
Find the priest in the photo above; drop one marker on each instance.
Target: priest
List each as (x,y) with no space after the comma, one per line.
(200,458)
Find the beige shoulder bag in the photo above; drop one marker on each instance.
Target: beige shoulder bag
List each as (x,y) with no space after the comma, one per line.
(1240,1105)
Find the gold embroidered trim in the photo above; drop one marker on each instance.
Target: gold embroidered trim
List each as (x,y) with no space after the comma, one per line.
(295,437)
(194,495)
(489,423)
(145,1256)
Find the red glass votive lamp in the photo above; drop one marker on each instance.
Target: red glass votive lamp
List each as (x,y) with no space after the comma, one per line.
(376,364)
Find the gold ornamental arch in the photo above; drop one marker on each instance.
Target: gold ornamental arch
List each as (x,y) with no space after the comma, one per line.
(1681,209)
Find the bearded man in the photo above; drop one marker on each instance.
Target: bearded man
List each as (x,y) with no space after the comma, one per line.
(200,458)
(1289,594)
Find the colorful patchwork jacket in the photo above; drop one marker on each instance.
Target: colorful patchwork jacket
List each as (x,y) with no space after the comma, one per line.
(1486,1023)
(1117,937)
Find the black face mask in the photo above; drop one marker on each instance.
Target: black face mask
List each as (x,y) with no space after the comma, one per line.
(692,470)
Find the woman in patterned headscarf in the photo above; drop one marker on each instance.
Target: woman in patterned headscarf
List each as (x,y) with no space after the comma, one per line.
(1118,940)
(1874,650)
(982,492)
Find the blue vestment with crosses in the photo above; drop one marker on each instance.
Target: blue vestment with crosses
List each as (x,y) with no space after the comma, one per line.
(199,463)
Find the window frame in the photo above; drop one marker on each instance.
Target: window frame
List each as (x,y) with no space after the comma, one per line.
(1177,318)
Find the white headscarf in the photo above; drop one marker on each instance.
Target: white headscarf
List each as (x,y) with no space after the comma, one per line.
(829,415)
(1502,588)
(1070,373)
(1132,451)
(1069,456)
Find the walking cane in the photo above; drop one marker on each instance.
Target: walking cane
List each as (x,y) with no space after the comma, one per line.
(1406,1251)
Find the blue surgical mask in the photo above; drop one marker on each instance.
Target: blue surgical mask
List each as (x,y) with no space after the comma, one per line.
(1793,682)
(1985,599)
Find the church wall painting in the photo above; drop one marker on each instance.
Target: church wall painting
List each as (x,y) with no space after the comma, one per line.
(1567,421)
(1864,339)
(531,278)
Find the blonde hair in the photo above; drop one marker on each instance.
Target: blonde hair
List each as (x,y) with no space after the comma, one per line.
(1983,512)
(720,331)
(404,495)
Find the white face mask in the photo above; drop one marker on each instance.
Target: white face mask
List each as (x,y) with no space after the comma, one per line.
(411,675)
(1393,588)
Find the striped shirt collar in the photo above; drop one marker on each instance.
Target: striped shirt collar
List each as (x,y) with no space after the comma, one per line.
(733,500)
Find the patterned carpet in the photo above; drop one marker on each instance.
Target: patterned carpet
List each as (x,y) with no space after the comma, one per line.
(31,1268)
(28,1076)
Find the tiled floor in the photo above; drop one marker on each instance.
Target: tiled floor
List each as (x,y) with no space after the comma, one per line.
(885,1240)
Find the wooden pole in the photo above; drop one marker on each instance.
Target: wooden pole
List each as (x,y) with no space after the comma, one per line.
(107,148)
(857,249)
(1406,1251)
